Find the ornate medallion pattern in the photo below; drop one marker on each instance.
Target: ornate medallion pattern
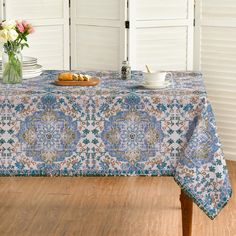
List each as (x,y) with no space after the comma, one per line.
(48,135)
(132,135)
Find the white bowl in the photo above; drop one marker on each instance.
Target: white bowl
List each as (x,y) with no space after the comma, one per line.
(155,78)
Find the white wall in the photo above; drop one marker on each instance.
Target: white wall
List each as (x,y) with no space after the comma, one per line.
(216,58)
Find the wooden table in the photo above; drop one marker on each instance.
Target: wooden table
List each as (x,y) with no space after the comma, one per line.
(117,128)
(187,213)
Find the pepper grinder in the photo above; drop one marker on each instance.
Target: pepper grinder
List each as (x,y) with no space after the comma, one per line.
(125,71)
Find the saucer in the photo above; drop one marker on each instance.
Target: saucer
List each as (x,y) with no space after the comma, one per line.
(157,86)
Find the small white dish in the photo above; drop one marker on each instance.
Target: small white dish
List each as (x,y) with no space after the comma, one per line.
(157,86)
(158,77)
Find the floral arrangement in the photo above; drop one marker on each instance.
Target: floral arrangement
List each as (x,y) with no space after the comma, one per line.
(13,35)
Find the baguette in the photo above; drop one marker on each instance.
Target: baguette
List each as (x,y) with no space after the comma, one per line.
(65,77)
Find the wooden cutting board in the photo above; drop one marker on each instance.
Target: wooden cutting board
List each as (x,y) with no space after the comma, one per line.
(92,82)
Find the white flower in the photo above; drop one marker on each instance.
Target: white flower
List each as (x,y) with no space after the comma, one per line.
(9,24)
(12,35)
(8,35)
(4,36)
(8,32)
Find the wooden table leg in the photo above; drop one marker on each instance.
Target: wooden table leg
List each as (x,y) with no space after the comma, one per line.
(187,214)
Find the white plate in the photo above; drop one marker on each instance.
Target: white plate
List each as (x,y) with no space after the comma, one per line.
(28,76)
(27,61)
(24,66)
(157,86)
(30,73)
(32,69)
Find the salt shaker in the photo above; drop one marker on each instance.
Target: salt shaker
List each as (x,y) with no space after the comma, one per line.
(125,71)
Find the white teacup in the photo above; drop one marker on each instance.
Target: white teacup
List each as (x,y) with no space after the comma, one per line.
(155,78)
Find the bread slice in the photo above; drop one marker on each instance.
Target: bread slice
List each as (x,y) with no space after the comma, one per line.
(80,77)
(86,77)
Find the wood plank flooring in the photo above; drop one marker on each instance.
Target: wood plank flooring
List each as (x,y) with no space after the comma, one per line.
(108,206)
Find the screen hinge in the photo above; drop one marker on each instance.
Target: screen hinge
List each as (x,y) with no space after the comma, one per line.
(194,22)
(70,62)
(127,24)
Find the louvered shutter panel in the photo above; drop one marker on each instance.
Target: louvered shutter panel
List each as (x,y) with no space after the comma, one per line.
(216,58)
(1,10)
(50,42)
(98,35)
(161,34)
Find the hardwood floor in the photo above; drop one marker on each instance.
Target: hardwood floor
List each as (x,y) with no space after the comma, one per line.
(108,206)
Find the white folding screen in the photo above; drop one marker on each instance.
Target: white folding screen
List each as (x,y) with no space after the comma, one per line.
(1,10)
(215,53)
(50,42)
(98,36)
(161,34)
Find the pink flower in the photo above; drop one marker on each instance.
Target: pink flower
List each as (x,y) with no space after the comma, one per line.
(28,27)
(24,27)
(31,29)
(20,26)
(25,24)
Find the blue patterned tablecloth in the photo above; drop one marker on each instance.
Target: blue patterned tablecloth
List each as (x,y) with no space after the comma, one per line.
(116,128)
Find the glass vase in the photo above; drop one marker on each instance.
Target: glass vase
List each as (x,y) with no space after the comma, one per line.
(12,66)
